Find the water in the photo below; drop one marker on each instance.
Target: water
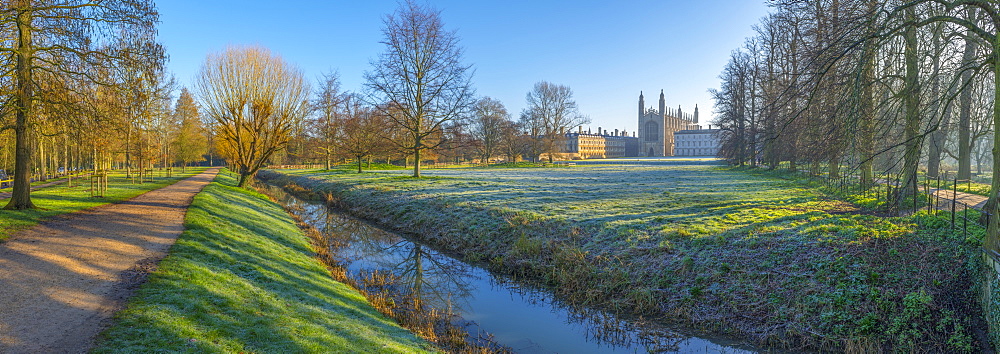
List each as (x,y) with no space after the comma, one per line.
(518,317)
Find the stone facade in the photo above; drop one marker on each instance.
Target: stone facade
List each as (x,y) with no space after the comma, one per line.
(697,142)
(604,144)
(657,127)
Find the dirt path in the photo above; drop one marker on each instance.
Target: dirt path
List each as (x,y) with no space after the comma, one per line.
(973,200)
(62,280)
(945,195)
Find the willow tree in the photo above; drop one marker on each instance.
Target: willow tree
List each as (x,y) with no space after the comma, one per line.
(419,81)
(62,40)
(255,101)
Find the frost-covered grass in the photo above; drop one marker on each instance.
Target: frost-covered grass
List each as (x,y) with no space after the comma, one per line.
(773,260)
(656,201)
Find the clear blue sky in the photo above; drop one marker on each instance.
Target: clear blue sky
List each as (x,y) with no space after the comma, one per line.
(605,51)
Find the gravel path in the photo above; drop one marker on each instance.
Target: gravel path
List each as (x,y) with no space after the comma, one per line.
(62,280)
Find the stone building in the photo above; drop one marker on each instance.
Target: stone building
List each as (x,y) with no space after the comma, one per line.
(697,142)
(657,127)
(603,144)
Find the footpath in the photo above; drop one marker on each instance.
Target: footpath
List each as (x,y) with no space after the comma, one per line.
(974,201)
(62,280)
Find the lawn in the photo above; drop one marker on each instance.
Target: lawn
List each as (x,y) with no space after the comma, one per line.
(62,198)
(774,261)
(243,278)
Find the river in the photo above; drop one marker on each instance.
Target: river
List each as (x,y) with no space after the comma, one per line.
(520,317)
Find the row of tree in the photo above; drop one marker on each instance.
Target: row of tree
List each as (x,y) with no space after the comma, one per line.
(861,88)
(83,85)
(419,102)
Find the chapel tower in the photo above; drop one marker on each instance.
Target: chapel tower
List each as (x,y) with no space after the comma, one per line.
(657,126)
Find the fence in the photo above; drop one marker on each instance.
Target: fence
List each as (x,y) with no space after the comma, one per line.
(938,201)
(929,195)
(294,167)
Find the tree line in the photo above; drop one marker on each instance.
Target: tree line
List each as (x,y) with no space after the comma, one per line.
(419,104)
(84,86)
(857,89)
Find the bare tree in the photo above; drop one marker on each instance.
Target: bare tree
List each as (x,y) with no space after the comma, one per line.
(552,108)
(361,130)
(489,120)
(419,81)
(256,101)
(328,101)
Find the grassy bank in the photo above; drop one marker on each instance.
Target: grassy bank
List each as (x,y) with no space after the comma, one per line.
(770,260)
(243,278)
(63,198)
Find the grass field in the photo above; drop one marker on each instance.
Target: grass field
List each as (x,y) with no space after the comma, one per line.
(772,260)
(243,278)
(62,198)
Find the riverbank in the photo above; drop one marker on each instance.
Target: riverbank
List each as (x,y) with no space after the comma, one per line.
(243,278)
(715,249)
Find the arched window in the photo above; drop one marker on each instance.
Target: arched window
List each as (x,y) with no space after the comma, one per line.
(652,131)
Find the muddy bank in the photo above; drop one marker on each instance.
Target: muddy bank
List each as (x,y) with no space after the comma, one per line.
(836,282)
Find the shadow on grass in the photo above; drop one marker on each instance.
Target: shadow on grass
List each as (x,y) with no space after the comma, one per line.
(242,277)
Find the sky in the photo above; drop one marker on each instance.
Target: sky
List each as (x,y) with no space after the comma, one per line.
(605,51)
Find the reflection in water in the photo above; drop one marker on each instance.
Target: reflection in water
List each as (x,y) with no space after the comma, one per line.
(520,317)
(436,280)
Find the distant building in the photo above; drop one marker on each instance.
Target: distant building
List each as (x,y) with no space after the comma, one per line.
(603,144)
(657,127)
(697,142)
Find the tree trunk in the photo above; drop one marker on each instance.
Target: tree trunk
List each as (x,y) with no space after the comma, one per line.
(992,240)
(911,106)
(244,179)
(359,163)
(21,196)
(867,126)
(965,111)
(416,162)
(938,139)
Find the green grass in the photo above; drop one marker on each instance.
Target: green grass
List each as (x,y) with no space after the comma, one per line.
(242,278)
(36,183)
(61,199)
(717,248)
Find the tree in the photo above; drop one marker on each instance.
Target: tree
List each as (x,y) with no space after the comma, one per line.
(419,81)
(190,143)
(256,101)
(551,108)
(329,99)
(361,130)
(62,42)
(511,141)
(489,119)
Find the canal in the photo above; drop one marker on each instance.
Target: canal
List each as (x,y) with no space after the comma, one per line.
(520,317)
